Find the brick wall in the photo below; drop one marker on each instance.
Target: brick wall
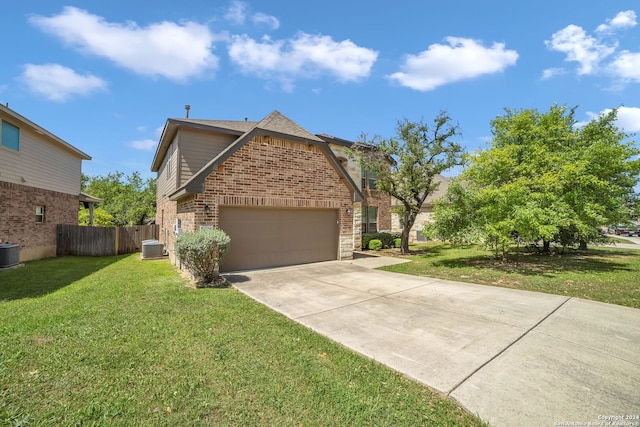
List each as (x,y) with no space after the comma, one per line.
(271,173)
(18,220)
(383,203)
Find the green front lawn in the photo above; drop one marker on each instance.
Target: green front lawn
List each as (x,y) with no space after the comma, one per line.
(119,341)
(604,274)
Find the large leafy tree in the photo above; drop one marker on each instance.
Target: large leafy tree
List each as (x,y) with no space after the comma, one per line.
(406,165)
(128,199)
(542,179)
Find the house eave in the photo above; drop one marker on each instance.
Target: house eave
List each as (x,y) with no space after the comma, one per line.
(41,131)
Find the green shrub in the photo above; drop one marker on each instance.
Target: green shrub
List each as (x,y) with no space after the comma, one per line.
(366,238)
(201,253)
(386,238)
(375,244)
(397,243)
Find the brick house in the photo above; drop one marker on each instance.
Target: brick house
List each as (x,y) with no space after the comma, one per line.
(40,179)
(284,195)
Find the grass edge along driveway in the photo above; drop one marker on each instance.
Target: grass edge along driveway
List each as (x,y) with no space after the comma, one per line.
(120,341)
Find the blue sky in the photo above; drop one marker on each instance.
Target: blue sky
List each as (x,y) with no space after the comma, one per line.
(105,76)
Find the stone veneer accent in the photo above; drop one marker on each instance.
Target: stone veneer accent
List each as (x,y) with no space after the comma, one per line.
(18,218)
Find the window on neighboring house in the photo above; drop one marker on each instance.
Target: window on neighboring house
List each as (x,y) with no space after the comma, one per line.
(40,214)
(10,136)
(369,219)
(369,179)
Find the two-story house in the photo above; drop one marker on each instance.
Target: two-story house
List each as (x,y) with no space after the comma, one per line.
(281,193)
(40,179)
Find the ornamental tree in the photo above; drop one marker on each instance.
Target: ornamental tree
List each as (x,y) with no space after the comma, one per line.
(406,165)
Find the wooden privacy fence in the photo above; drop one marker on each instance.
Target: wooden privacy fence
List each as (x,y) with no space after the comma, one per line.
(102,241)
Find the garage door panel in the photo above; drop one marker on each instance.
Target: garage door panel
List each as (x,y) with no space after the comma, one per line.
(265,237)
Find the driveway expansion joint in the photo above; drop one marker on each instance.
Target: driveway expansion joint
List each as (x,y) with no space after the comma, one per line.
(448,393)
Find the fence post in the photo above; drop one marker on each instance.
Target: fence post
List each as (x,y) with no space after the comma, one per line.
(117,240)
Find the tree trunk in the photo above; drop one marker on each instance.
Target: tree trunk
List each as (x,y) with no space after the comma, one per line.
(410,219)
(546,246)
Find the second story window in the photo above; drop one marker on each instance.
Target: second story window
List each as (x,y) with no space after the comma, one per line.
(372,180)
(369,179)
(10,136)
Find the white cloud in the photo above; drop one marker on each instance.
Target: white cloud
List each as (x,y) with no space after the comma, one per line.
(174,51)
(580,47)
(459,59)
(596,54)
(237,12)
(626,66)
(628,118)
(304,56)
(58,83)
(552,72)
(143,144)
(625,19)
(262,18)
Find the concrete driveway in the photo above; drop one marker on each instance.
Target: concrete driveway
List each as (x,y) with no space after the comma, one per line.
(512,357)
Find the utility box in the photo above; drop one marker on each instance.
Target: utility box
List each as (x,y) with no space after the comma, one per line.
(9,255)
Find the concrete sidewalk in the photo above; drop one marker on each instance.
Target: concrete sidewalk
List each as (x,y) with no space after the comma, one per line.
(512,357)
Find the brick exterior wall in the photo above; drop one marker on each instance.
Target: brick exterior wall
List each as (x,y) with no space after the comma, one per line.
(18,218)
(266,173)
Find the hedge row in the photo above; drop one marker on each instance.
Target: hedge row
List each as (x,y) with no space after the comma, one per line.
(387,239)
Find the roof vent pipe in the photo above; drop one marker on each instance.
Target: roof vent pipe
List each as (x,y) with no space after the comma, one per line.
(187,108)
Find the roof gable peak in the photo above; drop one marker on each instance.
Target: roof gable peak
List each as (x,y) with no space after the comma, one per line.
(278,122)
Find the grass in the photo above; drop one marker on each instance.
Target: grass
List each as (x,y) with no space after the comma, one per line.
(119,341)
(606,274)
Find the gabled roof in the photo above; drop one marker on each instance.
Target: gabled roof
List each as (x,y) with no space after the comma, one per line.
(42,131)
(275,125)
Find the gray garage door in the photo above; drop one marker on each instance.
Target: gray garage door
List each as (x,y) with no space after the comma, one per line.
(266,237)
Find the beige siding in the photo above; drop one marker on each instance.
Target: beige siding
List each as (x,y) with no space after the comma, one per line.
(40,163)
(197,148)
(166,182)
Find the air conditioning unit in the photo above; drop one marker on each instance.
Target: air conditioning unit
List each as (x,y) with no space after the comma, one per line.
(9,255)
(152,249)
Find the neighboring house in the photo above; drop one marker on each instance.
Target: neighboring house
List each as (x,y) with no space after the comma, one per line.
(426,212)
(39,185)
(277,190)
